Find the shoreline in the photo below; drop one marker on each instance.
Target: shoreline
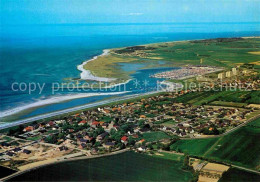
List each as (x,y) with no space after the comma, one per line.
(87,75)
(74,109)
(50,101)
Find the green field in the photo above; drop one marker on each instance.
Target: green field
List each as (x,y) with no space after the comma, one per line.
(228,104)
(194,147)
(241,147)
(225,98)
(236,175)
(255,123)
(154,136)
(128,166)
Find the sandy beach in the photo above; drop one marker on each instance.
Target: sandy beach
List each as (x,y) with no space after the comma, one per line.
(87,75)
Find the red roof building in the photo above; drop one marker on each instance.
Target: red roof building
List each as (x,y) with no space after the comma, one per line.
(82,122)
(124,138)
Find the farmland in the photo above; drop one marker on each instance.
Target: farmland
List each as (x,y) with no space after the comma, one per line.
(226,98)
(241,147)
(239,176)
(128,166)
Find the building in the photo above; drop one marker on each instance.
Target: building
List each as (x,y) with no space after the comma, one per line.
(124,139)
(228,74)
(221,76)
(234,71)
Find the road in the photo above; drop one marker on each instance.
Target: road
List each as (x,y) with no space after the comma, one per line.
(86,106)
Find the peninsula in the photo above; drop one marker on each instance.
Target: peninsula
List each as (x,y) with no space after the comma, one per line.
(113,64)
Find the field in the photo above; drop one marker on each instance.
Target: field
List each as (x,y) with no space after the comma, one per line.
(225,53)
(228,104)
(5,171)
(193,147)
(224,98)
(154,136)
(236,175)
(128,166)
(241,147)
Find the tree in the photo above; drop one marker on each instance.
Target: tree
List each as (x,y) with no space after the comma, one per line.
(131,141)
(61,135)
(97,144)
(51,139)
(186,163)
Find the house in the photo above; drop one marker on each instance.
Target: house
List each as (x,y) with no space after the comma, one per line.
(82,122)
(102,136)
(82,146)
(95,124)
(88,138)
(140,141)
(94,151)
(50,124)
(63,148)
(83,140)
(5,144)
(28,129)
(104,125)
(141,149)
(124,139)
(26,151)
(11,154)
(142,116)
(135,136)
(17,149)
(71,130)
(109,145)
(106,111)
(182,134)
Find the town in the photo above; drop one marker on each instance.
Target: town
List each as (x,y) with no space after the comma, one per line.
(142,125)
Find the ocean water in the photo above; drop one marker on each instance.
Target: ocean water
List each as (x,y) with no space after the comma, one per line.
(46,54)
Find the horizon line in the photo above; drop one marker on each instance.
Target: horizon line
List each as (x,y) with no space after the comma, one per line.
(145,23)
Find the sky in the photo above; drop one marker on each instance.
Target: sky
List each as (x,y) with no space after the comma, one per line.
(127,11)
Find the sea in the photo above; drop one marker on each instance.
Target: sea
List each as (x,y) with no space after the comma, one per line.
(41,55)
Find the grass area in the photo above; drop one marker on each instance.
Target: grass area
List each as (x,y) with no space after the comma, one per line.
(255,123)
(236,175)
(154,136)
(128,166)
(193,147)
(6,171)
(34,138)
(52,131)
(105,66)
(240,147)
(169,123)
(228,104)
(214,52)
(7,138)
(223,98)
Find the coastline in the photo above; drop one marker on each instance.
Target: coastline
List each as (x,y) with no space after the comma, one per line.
(87,75)
(49,101)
